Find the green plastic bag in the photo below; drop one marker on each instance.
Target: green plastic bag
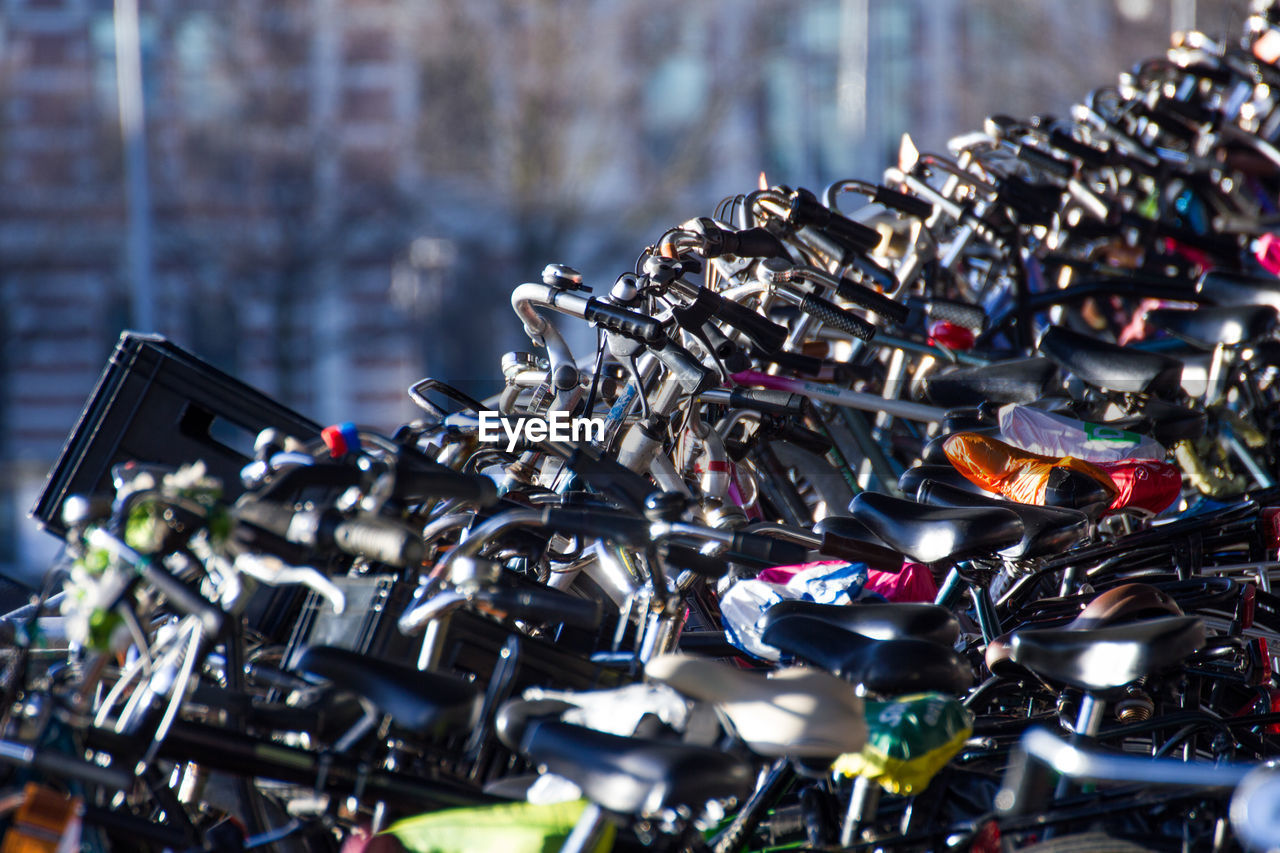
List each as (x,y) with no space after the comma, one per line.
(908,741)
(510,827)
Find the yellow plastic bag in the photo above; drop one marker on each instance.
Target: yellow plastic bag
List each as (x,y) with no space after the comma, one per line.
(908,741)
(510,827)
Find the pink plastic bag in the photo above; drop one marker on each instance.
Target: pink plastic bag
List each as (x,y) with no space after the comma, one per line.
(913,584)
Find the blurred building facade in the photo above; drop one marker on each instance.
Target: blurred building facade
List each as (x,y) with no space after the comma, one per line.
(343,192)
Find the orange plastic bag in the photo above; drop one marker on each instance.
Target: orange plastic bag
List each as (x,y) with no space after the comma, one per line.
(1017,474)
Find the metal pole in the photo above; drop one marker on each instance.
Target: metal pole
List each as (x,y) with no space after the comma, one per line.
(137,184)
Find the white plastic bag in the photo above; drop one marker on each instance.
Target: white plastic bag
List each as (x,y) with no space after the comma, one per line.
(743,605)
(1051,434)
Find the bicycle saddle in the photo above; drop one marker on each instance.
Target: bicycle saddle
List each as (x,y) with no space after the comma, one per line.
(1167,423)
(928,534)
(1021,380)
(933,454)
(1130,602)
(629,775)
(797,711)
(428,702)
(1226,288)
(1207,326)
(1045,529)
(912,478)
(883,667)
(1100,659)
(1110,366)
(878,621)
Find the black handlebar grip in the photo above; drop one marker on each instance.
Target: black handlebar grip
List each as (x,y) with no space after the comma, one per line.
(413,483)
(544,604)
(903,203)
(630,323)
(762,331)
(755,548)
(805,209)
(836,317)
(747,243)
(875,556)
(62,766)
(183,597)
(1072,147)
(872,301)
(1043,161)
(780,403)
(616,527)
(959,313)
(682,557)
(381,541)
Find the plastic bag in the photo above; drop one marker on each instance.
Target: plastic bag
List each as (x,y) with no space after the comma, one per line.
(1051,434)
(908,741)
(1017,474)
(510,827)
(743,605)
(1144,484)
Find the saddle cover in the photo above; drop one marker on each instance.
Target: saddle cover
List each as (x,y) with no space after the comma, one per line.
(909,740)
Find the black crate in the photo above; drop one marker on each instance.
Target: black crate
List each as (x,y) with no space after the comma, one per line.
(157,403)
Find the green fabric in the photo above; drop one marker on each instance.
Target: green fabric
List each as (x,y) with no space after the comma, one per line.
(509,827)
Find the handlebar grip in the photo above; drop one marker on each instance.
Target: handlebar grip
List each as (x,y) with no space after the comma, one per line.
(616,527)
(1072,147)
(903,203)
(875,556)
(381,541)
(747,243)
(682,557)
(805,209)
(544,604)
(762,331)
(1043,161)
(836,317)
(64,766)
(959,313)
(872,301)
(633,324)
(182,597)
(414,483)
(755,548)
(780,403)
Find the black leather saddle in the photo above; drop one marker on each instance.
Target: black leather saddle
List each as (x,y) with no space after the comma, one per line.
(1167,423)
(883,667)
(1110,366)
(629,775)
(1104,658)
(1226,288)
(1207,326)
(928,534)
(1045,529)
(1022,380)
(878,621)
(428,702)
(913,478)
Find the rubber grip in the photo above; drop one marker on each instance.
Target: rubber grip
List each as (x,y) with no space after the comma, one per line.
(685,369)
(762,331)
(623,321)
(770,402)
(598,524)
(720,345)
(380,541)
(543,604)
(805,209)
(747,243)
(1073,147)
(416,484)
(766,550)
(959,313)
(682,557)
(858,294)
(875,556)
(1043,161)
(903,203)
(183,598)
(836,317)
(61,766)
